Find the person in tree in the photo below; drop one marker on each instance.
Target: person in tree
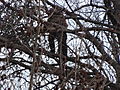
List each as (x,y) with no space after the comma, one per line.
(56,17)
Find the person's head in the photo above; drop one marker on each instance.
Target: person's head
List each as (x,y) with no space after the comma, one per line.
(55,10)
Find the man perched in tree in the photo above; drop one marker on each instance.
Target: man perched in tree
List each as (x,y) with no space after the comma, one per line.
(56,17)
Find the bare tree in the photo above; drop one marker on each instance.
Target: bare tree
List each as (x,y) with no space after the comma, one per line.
(66,45)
